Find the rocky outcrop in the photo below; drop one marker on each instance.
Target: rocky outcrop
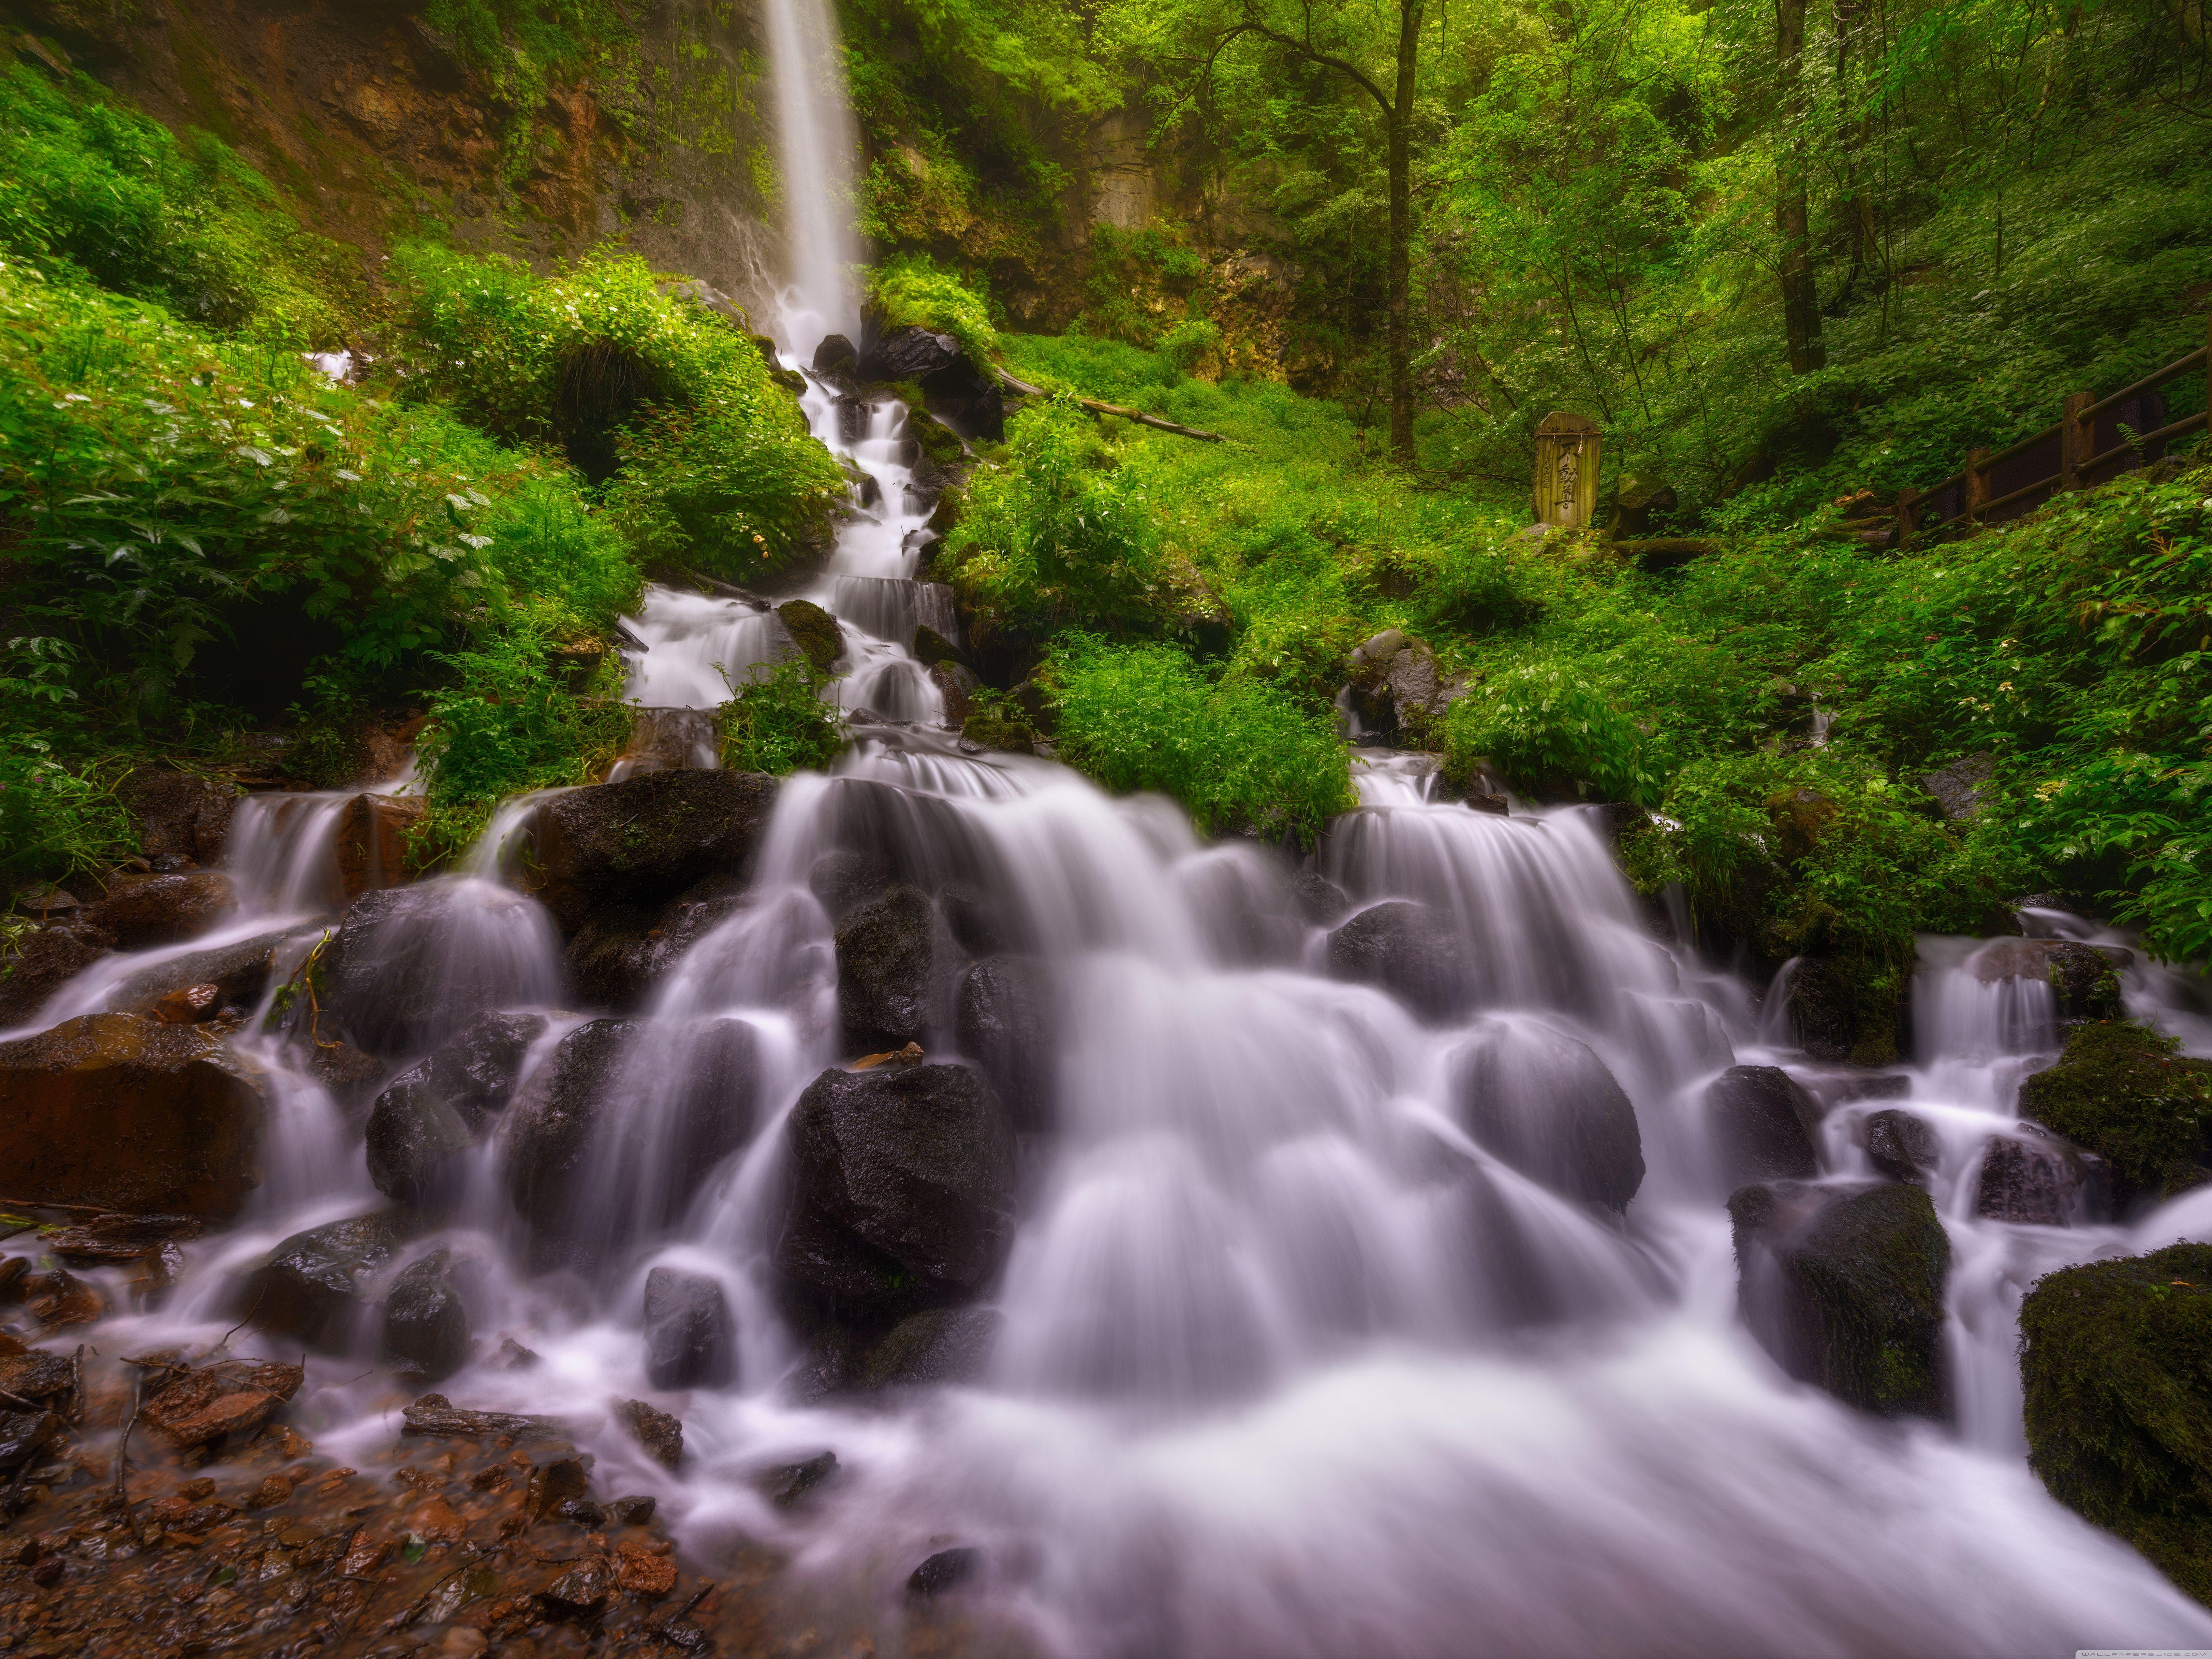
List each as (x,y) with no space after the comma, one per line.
(133,1115)
(2124,1093)
(373,842)
(814,631)
(411,966)
(1397,688)
(2033,1177)
(1006,1019)
(140,912)
(1845,1288)
(642,842)
(1409,951)
(315,1287)
(2118,1401)
(426,1325)
(902,1192)
(907,353)
(1761,1126)
(886,961)
(181,817)
(40,962)
(1964,787)
(691,1337)
(1901,1145)
(1545,1104)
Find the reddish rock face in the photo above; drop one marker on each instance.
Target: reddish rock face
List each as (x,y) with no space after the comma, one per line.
(128,1114)
(373,842)
(140,911)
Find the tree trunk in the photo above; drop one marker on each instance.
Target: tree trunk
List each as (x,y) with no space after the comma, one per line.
(1402,235)
(1800,304)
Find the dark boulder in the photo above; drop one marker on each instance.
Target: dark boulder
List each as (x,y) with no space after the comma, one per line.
(557,1119)
(1409,951)
(426,1325)
(967,399)
(980,922)
(40,962)
(957,685)
(1900,1146)
(120,1113)
(1844,1287)
(411,966)
(834,355)
(945,1570)
(814,631)
(425,1123)
(661,1433)
(1319,900)
(179,815)
(143,911)
(691,1337)
(1546,1105)
(933,648)
(1761,1125)
(907,353)
(845,880)
(1006,1019)
(238,972)
(903,1192)
(1964,787)
(2118,1401)
(2033,1177)
(1847,1009)
(886,957)
(313,1287)
(644,841)
(2125,1094)
(934,1348)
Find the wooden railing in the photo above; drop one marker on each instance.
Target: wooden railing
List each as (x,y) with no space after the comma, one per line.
(2092,435)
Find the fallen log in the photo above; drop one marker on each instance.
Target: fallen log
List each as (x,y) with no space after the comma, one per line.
(1098,407)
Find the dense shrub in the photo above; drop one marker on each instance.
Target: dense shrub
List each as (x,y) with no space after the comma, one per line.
(912,290)
(776,721)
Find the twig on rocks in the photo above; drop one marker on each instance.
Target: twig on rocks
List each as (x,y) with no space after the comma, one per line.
(122,1461)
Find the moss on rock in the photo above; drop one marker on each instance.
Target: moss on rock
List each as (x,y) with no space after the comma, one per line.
(814,630)
(2123,1092)
(1845,1289)
(2115,1362)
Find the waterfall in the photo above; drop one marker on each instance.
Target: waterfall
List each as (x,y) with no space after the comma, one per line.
(819,142)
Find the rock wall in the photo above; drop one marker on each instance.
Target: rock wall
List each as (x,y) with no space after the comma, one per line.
(374,127)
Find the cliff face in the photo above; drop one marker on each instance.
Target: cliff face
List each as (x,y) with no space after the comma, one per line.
(376,126)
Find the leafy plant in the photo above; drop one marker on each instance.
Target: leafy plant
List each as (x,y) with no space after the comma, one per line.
(776,721)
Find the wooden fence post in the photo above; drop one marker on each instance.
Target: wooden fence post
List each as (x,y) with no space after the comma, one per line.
(1977,484)
(2075,436)
(1908,513)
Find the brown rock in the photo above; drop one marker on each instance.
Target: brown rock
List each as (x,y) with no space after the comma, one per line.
(352,1077)
(435,1415)
(578,1593)
(41,963)
(190,1006)
(35,1374)
(180,814)
(201,1404)
(122,1237)
(375,841)
(553,1485)
(438,1522)
(660,1433)
(62,1298)
(275,1490)
(146,911)
(131,1115)
(639,1571)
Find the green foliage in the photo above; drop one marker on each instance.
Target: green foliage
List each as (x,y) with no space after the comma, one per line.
(1061,534)
(503,723)
(2120,1401)
(912,290)
(102,191)
(710,461)
(1544,722)
(56,820)
(1234,753)
(777,722)
(2125,1094)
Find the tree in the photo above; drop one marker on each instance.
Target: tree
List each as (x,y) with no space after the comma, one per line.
(1800,300)
(1261,19)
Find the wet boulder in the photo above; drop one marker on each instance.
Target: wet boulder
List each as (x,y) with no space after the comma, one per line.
(194,1405)
(133,1115)
(621,953)
(902,1190)
(179,815)
(834,355)
(1319,900)
(2118,1401)
(957,685)
(814,631)
(426,1325)
(690,1335)
(907,353)
(2034,1177)
(418,1142)
(886,958)
(937,1348)
(373,843)
(1760,1124)
(2125,1094)
(39,962)
(411,966)
(1847,1009)
(1901,1145)
(240,972)
(557,1117)
(143,911)
(661,1433)
(846,879)
(1006,1019)
(1410,950)
(1843,1287)
(645,840)
(2084,980)
(314,1286)
(1545,1104)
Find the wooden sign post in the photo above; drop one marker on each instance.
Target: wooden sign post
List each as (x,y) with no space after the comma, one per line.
(1566,471)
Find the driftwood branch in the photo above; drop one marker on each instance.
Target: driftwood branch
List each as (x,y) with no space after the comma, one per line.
(1012,384)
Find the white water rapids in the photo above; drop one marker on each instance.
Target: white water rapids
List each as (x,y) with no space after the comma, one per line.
(1290,1365)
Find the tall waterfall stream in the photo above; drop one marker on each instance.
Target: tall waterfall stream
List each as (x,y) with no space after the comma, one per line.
(1286,1361)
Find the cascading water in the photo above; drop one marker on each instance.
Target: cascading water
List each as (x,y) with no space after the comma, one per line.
(1303,1345)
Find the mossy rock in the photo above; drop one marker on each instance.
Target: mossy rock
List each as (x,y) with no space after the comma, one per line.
(932,648)
(2124,1093)
(2116,1364)
(814,630)
(1847,1008)
(938,442)
(999,731)
(2084,982)
(1801,817)
(1845,1289)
